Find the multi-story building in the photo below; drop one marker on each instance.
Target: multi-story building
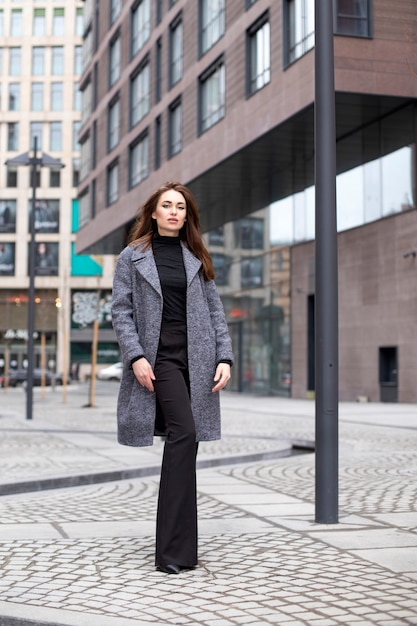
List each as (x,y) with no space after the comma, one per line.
(220,95)
(40,65)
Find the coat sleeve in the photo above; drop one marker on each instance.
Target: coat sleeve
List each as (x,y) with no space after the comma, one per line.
(218,320)
(122,310)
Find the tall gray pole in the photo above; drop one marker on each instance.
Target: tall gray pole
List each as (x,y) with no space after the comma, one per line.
(326,288)
(31,303)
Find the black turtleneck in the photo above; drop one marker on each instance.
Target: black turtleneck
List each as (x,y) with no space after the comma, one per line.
(168,257)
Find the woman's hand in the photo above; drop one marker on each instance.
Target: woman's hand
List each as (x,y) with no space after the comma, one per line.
(222,376)
(144,373)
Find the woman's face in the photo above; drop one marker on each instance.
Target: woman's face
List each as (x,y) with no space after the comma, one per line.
(170,213)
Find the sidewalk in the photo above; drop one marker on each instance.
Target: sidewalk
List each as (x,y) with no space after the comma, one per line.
(77,518)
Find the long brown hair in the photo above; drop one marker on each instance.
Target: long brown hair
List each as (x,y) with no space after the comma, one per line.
(145,227)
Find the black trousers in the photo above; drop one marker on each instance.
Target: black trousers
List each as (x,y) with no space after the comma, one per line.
(176,523)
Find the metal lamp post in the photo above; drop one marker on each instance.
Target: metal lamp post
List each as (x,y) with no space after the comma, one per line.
(326,318)
(34,162)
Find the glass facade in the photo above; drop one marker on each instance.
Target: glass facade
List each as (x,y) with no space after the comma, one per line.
(252,255)
(253,277)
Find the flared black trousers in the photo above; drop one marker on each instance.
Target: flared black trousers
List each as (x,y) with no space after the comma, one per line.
(176,523)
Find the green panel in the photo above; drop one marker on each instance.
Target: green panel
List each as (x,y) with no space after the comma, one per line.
(75,216)
(84,265)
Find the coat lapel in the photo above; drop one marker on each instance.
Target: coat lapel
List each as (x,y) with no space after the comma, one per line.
(144,263)
(191,264)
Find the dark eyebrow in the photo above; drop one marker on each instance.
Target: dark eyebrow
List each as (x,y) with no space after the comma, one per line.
(170,202)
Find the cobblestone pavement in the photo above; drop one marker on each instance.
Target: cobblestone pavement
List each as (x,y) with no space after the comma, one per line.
(82,554)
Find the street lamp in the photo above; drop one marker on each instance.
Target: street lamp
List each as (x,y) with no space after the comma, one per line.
(35,162)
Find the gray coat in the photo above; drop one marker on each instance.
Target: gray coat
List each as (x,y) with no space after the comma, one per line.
(137,314)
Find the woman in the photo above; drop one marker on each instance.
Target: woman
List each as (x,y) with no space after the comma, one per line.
(176,353)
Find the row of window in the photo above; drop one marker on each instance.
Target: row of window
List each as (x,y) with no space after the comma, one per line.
(37,96)
(46,258)
(47,264)
(47,214)
(211,91)
(352,17)
(44,60)
(36,129)
(40,23)
(212,95)
(211,82)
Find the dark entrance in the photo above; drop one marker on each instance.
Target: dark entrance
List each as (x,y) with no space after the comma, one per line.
(388,374)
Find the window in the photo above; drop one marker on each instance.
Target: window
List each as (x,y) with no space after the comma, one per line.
(14,96)
(212,95)
(77,103)
(54,178)
(75,172)
(86,94)
(57,96)
(139,94)
(251,272)
(95,87)
(353,17)
(13,136)
(299,23)
(222,264)
(115,8)
(15,61)
(58,23)
(1,61)
(55,136)
(113,121)
(39,22)
(57,65)
(259,55)
(1,23)
(87,47)
(36,97)
(38,61)
(158,11)
(216,236)
(94,145)
(79,22)
(249,233)
(11,177)
(157,140)
(175,51)
(76,126)
(36,131)
(113,182)
(249,3)
(139,161)
(212,22)
(78,60)
(85,166)
(16,23)
(114,61)
(141,25)
(158,70)
(175,128)
(84,215)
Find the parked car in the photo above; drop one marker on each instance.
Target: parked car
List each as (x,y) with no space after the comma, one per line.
(20,376)
(112,372)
